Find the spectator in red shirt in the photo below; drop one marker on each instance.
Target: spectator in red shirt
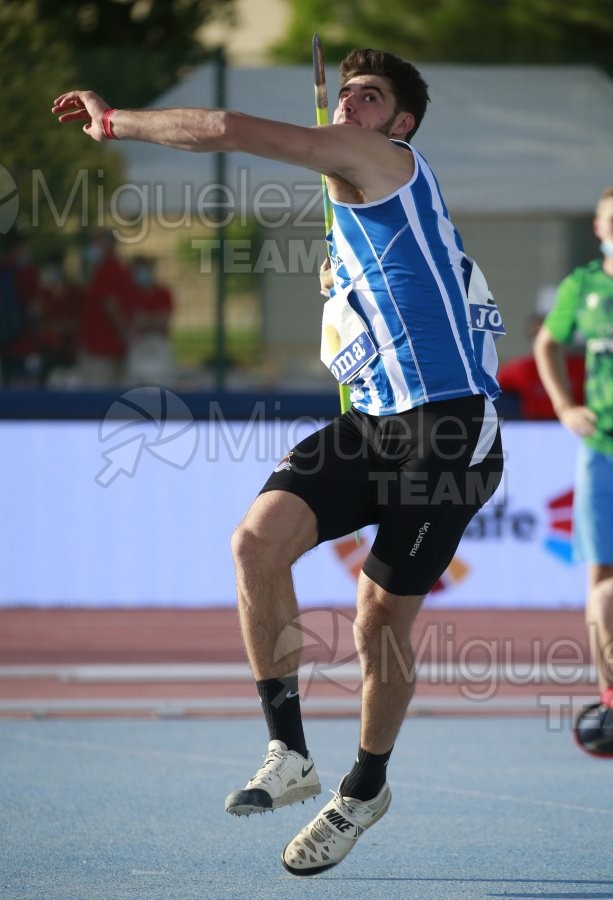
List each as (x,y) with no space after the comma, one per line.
(59,312)
(19,287)
(520,377)
(150,353)
(107,314)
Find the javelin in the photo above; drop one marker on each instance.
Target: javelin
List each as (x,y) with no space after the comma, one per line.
(321,111)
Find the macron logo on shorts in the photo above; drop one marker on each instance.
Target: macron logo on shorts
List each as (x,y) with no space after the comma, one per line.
(286,463)
(420,536)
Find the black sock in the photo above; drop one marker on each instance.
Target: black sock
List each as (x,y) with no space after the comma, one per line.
(367,776)
(281,705)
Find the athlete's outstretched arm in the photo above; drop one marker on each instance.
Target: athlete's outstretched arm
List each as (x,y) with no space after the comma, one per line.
(331,150)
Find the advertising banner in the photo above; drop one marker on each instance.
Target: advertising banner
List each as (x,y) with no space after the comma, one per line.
(139,511)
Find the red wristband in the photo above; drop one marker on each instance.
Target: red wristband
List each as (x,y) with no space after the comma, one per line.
(107,125)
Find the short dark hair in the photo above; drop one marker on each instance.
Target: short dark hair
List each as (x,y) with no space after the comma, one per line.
(409,88)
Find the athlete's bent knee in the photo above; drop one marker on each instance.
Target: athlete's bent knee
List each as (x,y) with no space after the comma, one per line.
(247,547)
(251,549)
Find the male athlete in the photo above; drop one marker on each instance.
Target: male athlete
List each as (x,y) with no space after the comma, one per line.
(584,306)
(410,325)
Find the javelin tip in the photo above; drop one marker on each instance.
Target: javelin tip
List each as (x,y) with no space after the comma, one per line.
(319,72)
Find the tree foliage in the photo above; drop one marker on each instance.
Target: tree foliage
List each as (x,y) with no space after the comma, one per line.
(133,49)
(455,31)
(127,50)
(43,158)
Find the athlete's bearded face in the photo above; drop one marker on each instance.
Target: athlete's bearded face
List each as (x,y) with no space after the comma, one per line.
(369,102)
(387,127)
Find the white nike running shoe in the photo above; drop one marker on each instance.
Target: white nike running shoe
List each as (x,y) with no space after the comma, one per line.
(331,835)
(286,777)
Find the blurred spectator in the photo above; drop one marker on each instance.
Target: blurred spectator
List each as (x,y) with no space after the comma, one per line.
(19,286)
(150,351)
(59,312)
(584,304)
(107,313)
(520,377)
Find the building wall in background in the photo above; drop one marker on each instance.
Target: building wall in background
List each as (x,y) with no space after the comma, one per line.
(259,24)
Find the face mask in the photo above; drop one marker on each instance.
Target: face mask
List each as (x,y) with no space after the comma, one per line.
(93,253)
(51,276)
(142,276)
(607,248)
(23,257)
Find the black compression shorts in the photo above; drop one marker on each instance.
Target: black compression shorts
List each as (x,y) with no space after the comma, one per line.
(420,476)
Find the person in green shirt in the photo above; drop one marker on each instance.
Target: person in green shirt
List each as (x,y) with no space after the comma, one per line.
(584,305)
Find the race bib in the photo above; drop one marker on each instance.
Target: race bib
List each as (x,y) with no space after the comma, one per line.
(484,314)
(346,346)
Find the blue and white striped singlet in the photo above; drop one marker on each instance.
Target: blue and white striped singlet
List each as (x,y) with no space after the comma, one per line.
(402,266)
